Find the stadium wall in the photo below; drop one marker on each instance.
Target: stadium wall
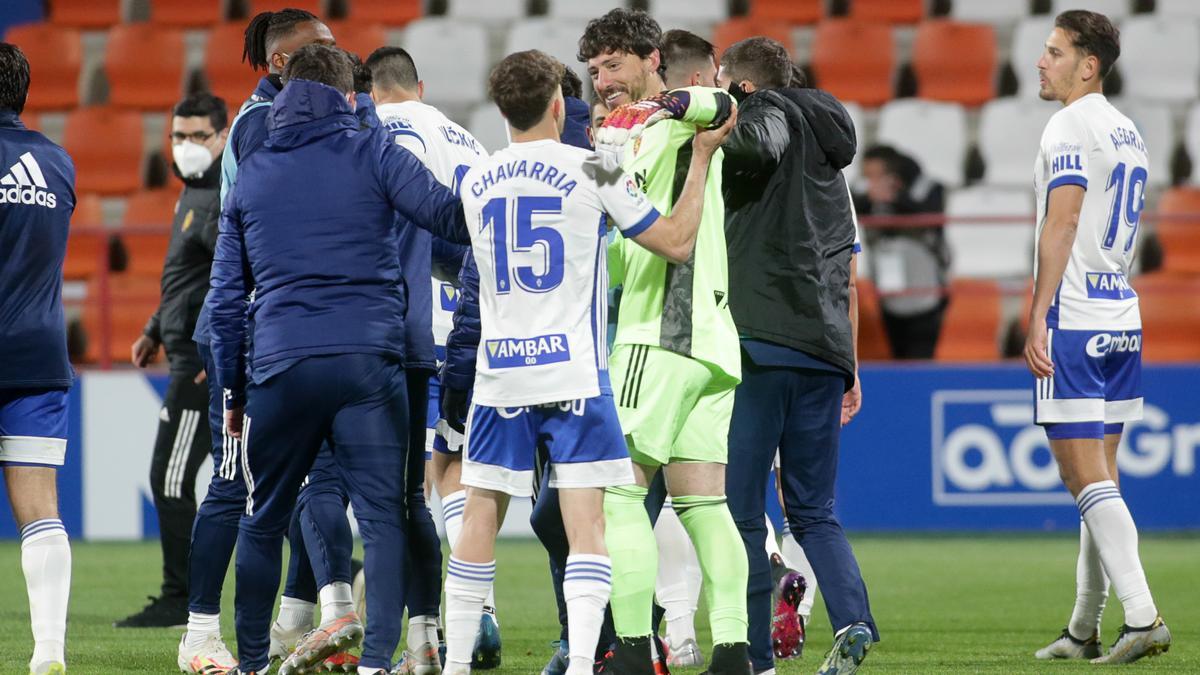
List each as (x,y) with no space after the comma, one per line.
(936,448)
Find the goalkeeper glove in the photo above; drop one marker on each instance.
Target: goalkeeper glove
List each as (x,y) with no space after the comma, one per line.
(454,406)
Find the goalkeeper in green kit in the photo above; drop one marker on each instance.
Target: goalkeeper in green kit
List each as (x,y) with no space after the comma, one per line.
(676,358)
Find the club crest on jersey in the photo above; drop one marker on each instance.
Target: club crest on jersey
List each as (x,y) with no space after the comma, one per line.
(532,351)
(1108,286)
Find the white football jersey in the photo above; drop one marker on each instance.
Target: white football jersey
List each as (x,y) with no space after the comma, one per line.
(447,150)
(538,212)
(1091,144)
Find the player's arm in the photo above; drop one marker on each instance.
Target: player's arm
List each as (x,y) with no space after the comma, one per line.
(1054,250)
(229,284)
(462,348)
(758,141)
(447,259)
(852,400)
(417,196)
(704,107)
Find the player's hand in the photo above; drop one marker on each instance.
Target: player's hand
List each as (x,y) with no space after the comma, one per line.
(201,378)
(454,405)
(233,421)
(852,401)
(144,351)
(707,141)
(1035,350)
(629,121)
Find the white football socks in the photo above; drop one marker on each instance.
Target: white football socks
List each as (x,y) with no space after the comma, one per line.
(794,556)
(295,614)
(677,586)
(200,627)
(587,584)
(336,600)
(46,561)
(773,543)
(1111,527)
(452,518)
(421,629)
(467,586)
(1091,588)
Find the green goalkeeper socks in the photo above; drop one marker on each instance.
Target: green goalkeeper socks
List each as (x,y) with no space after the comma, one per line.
(634,555)
(722,560)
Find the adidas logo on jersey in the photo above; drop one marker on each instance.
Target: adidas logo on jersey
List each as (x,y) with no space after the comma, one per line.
(1109,343)
(25,184)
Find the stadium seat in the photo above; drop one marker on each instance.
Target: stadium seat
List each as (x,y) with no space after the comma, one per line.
(787,11)
(89,211)
(890,11)
(387,12)
(990,250)
(581,9)
(872,338)
(1113,9)
(988,11)
(85,13)
(227,75)
(487,10)
(1191,140)
(106,144)
(856,115)
(1160,58)
(55,59)
(147,248)
(932,132)
(254,7)
(185,13)
(152,207)
(1154,123)
(1187,9)
(87,243)
(1180,238)
(1170,309)
(1028,43)
(844,68)
(488,127)
(955,61)
(688,12)
(971,327)
(136,81)
(735,30)
(1010,131)
(359,37)
(454,59)
(559,39)
(132,299)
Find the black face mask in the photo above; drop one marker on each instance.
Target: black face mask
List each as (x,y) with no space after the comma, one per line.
(736,91)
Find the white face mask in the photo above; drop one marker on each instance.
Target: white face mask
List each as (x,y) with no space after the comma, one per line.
(192,159)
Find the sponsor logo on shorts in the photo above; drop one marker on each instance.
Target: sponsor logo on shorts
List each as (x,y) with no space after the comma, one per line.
(539,350)
(1113,343)
(1108,286)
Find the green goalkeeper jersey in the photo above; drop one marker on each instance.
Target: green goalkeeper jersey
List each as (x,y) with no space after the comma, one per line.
(681,308)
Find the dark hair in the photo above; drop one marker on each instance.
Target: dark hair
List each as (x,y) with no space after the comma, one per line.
(1093,34)
(799,78)
(895,162)
(681,47)
(571,84)
(266,28)
(523,84)
(203,104)
(621,30)
(393,67)
(761,60)
(14,78)
(321,63)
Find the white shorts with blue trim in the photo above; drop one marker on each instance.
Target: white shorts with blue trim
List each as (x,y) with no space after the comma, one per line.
(1097,377)
(33,427)
(583,438)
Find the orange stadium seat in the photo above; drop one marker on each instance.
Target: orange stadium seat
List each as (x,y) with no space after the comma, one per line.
(890,11)
(1180,238)
(872,338)
(255,6)
(971,328)
(735,30)
(1170,308)
(790,11)
(185,13)
(133,298)
(106,144)
(85,13)
(136,81)
(387,12)
(955,61)
(147,249)
(87,243)
(55,58)
(152,207)
(844,67)
(227,75)
(359,37)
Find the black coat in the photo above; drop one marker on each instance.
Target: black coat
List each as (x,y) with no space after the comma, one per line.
(788,222)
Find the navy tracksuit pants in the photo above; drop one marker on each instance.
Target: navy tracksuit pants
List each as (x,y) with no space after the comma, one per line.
(798,412)
(358,403)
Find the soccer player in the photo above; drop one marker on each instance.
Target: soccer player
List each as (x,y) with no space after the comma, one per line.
(447,150)
(327,333)
(688,60)
(37,198)
(676,360)
(1085,337)
(542,208)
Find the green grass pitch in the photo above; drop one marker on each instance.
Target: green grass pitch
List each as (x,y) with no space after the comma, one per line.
(944,605)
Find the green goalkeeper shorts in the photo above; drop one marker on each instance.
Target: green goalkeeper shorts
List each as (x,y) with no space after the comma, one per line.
(672,408)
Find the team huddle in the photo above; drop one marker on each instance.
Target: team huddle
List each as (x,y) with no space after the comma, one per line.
(393,311)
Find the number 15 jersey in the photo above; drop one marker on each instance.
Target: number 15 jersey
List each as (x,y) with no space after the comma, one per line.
(538,212)
(1091,144)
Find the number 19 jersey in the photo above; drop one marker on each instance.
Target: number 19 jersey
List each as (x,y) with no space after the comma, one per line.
(1091,144)
(538,212)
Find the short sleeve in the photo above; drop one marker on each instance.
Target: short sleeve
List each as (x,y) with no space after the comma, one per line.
(403,134)
(1064,150)
(625,204)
